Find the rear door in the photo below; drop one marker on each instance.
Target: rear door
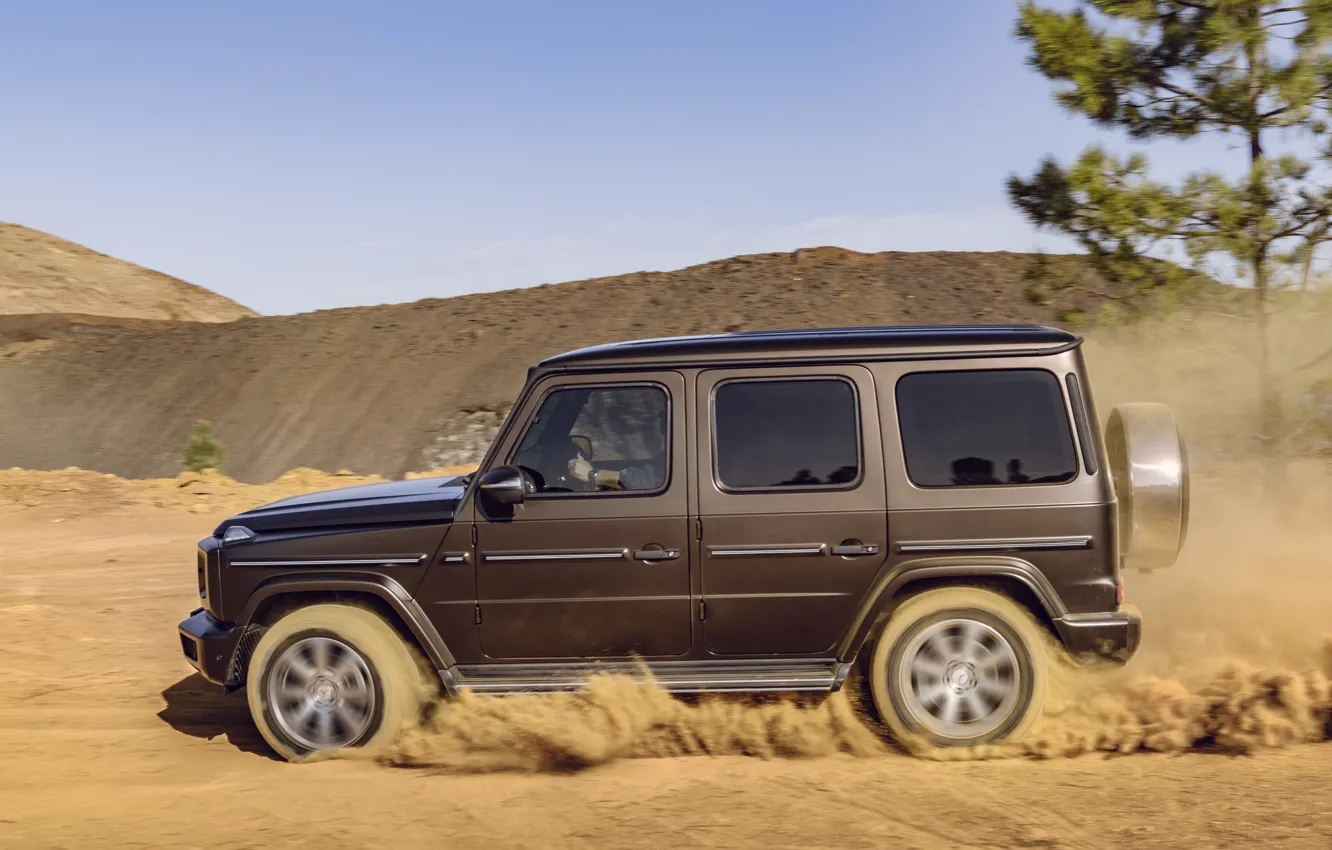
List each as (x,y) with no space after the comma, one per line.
(791,502)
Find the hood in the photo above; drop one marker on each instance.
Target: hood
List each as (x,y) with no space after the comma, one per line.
(424,500)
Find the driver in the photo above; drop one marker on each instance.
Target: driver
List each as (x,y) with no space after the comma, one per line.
(641,477)
(647,475)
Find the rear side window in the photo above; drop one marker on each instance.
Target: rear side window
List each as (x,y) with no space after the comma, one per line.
(968,429)
(786,434)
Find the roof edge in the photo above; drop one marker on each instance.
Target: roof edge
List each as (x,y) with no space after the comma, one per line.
(778,342)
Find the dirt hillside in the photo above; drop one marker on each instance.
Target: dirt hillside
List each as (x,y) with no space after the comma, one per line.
(392,388)
(41,273)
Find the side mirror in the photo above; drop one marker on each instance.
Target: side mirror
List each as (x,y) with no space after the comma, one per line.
(503,485)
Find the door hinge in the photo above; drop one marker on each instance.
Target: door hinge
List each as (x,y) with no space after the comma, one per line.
(702,610)
(478,615)
(473,534)
(698,529)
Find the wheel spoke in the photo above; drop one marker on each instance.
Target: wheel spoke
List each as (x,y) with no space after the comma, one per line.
(325,726)
(932,695)
(951,704)
(301,716)
(937,646)
(319,653)
(991,662)
(344,668)
(301,668)
(354,687)
(968,640)
(976,706)
(925,668)
(290,690)
(351,719)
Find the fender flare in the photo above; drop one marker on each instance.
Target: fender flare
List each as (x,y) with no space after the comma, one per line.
(408,611)
(888,586)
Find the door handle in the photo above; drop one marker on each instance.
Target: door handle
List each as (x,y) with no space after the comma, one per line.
(854,549)
(656,554)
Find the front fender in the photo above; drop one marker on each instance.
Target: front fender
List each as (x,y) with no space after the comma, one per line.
(887,588)
(385,588)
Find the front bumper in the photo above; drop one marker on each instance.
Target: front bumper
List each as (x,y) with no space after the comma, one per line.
(1101,638)
(209,644)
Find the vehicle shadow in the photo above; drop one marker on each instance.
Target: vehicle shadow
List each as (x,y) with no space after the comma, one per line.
(198,708)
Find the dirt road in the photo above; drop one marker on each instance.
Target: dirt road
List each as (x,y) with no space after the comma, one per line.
(106,740)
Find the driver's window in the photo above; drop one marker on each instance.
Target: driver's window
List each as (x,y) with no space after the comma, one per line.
(598,439)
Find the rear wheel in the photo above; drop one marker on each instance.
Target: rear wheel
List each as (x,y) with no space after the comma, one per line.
(959,667)
(330,677)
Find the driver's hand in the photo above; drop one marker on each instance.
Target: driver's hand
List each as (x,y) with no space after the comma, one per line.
(581,469)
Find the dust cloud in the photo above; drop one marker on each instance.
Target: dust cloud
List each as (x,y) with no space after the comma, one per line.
(616,717)
(1236,654)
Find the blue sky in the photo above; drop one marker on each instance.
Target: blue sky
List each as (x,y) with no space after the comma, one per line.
(299,155)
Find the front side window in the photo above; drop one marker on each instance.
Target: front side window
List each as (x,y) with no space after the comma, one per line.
(786,434)
(978,428)
(598,439)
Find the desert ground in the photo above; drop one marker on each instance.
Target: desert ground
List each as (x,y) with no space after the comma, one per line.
(1216,735)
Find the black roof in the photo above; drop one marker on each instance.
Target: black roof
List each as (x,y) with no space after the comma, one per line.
(776,342)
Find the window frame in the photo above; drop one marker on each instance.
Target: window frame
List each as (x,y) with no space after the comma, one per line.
(1003,485)
(668,462)
(857,413)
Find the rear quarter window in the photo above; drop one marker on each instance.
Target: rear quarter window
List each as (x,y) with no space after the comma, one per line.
(985,428)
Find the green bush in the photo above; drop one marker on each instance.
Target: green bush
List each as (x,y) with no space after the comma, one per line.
(203,451)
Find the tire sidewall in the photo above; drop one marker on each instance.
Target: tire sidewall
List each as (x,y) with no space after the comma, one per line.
(1007,617)
(394,673)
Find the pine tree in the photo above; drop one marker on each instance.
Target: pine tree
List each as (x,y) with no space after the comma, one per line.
(1251,69)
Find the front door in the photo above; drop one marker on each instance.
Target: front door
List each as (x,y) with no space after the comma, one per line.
(792,503)
(584,570)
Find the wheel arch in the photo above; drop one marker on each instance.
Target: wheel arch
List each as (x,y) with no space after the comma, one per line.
(1012,577)
(281,594)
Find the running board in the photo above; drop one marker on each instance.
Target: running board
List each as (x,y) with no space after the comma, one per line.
(680,677)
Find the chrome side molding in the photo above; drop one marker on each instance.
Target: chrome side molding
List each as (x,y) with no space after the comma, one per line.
(764,551)
(394,561)
(995,544)
(594,555)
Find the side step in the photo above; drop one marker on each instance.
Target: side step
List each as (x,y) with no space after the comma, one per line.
(681,677)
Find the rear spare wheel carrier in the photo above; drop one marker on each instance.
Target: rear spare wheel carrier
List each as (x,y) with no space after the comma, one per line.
(1150,469)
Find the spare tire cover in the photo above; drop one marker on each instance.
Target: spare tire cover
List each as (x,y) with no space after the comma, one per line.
(1150,470)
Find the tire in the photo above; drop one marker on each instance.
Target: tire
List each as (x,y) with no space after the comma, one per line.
(331,677)
(931,694)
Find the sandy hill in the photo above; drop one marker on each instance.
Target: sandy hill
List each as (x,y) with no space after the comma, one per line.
(376,389)
(41,273)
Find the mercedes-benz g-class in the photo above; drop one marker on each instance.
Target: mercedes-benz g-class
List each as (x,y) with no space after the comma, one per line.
(934,508)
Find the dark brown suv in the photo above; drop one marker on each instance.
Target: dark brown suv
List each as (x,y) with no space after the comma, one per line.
(933,508)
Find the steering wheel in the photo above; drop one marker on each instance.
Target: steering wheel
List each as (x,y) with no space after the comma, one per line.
(555,460)
(533,481)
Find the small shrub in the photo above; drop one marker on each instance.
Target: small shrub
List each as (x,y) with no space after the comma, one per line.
(1075,317)
(203,451)
(1036,295)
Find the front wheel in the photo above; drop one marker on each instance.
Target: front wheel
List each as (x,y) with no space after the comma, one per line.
(959,667)
(331,677)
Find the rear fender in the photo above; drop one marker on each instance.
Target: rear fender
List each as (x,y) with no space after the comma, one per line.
(888,589)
